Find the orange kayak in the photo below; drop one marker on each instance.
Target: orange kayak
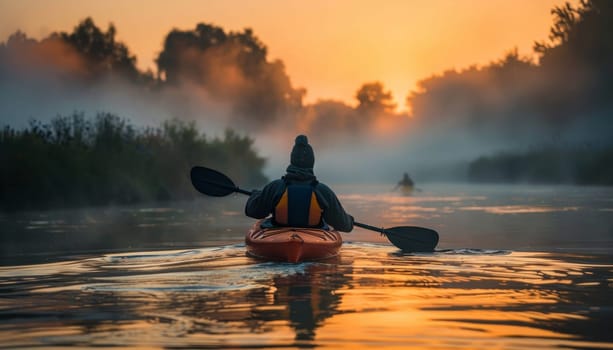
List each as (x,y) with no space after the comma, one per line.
(292,244)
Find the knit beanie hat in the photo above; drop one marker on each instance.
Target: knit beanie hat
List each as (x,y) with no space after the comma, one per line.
(302,153)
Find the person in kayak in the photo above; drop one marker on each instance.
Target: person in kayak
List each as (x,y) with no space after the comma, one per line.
(406,185)
(298,199)
(406,181)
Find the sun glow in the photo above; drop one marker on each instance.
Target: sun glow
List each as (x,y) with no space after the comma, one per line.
(329,48)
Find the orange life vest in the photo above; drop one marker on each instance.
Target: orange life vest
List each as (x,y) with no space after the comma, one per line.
(298,207)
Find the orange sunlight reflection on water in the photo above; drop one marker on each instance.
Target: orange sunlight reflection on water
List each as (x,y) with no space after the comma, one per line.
(498,300)
(480,290)
(371,296)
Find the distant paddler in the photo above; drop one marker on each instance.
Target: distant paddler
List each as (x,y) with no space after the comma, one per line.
(406,185)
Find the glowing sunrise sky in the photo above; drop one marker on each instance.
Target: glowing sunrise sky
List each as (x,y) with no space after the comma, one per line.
(328,47)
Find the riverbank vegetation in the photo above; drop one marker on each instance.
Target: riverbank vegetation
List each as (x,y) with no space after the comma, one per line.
(76,161)
(579,166)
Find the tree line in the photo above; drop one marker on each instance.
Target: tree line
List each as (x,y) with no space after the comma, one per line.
(570,80)
(232,68)
(562,99)
(555,112)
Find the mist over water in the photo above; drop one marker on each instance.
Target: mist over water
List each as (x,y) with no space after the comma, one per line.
(342,155)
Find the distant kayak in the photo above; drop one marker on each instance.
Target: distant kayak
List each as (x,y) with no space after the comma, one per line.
(406,190)
(292,244)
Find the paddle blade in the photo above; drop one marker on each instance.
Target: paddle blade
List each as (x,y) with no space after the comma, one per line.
(412,238)
(211,182)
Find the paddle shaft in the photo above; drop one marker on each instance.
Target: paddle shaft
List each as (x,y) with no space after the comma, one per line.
(368,227)
(232,188)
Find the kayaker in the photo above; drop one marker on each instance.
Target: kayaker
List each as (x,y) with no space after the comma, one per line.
(298,199)
(406,185)
(406,181)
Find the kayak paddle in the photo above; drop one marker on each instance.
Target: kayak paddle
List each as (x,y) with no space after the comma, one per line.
(408,238)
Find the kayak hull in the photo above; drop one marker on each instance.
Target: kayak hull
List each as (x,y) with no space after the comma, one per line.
(292,244)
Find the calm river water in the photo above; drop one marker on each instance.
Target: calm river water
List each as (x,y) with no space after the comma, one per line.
(517,267)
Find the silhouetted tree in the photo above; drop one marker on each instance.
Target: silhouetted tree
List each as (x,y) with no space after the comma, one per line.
(231,67)
(86,54)
(565,20)
(175,64)
(578,59)
(103,53)
(372,98)
(571,81)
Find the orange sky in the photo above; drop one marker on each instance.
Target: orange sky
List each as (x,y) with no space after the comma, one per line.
(328,47)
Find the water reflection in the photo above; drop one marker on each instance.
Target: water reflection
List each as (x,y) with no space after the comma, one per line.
(304,300)
(372,294)
(533,218)
(519,209)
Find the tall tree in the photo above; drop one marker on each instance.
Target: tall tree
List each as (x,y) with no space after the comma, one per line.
(232,67)
(372,98)
(102,51)
(578,59)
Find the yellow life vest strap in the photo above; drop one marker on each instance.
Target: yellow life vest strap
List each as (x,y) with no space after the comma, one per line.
(298,207)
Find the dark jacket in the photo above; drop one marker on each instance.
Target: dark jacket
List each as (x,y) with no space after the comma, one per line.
(262,203)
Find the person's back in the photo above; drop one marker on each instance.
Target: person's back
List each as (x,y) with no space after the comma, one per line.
(298,199)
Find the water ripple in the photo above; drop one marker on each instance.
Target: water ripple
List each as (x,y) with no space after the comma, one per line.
(371,294)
